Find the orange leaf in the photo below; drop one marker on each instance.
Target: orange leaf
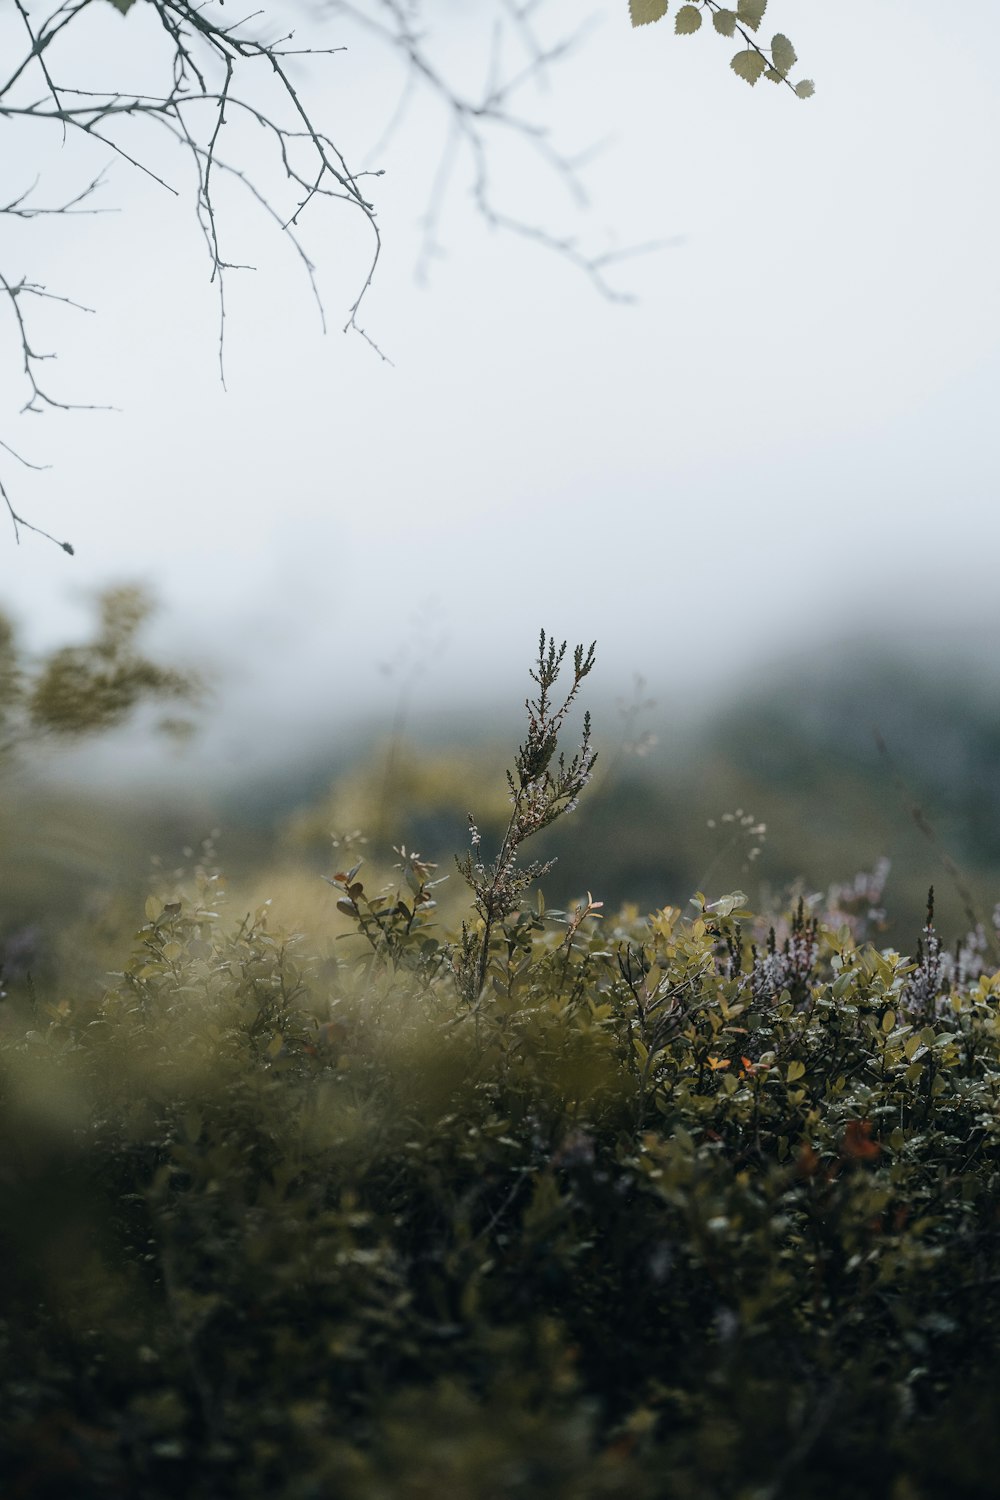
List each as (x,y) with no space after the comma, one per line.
(857,1141)
(807,1162)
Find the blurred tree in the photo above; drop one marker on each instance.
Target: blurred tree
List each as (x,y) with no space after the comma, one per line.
(59,854)
(84,689)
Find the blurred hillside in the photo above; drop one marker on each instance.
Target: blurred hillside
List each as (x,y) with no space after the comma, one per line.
(784,784)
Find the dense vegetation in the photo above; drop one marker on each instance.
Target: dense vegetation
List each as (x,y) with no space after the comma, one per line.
(559,1204)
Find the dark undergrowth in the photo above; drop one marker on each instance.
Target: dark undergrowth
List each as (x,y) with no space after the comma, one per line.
(562,1205)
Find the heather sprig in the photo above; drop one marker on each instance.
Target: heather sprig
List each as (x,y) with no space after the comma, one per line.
(542,789)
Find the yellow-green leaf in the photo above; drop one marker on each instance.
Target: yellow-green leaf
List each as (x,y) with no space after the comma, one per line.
(726,905)
(843,984)
(645,11)
(749,66)
(805,89)
(724,21)
(796,1070)
(688,20)
(783,54)
(751,12)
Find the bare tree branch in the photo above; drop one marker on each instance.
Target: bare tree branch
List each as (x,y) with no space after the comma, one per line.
(478,123)
(214,75)
(219,76)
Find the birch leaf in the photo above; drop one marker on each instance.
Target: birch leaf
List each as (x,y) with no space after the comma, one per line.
(749,66)
(645,11)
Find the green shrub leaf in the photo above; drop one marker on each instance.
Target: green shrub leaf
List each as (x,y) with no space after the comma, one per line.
(724,21)
(688,20)
(726,905)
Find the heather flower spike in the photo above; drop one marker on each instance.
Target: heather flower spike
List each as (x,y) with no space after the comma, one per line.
(542,789)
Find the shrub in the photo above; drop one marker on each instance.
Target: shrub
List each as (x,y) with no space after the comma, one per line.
(566,1205)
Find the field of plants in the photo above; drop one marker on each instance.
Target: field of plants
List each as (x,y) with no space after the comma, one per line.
(495,1200)
(404,1096)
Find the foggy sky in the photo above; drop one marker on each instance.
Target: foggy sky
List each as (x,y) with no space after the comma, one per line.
(789,435)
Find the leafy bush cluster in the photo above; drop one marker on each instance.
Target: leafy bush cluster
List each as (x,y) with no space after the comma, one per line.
(678,1206)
